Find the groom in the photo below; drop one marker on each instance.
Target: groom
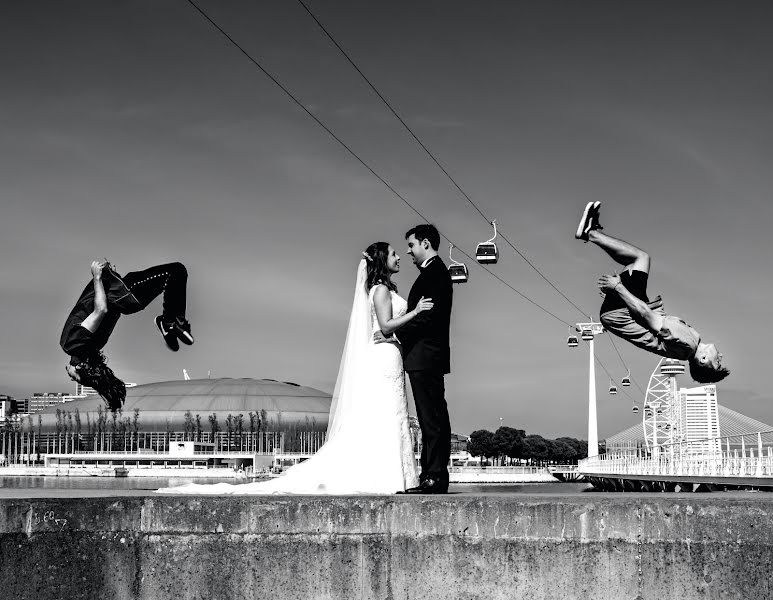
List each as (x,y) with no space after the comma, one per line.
(426,357)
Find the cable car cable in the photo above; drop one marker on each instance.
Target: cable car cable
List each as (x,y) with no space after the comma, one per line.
(437,162)
(432,156)
(386,183)
(356,157)
(625,366)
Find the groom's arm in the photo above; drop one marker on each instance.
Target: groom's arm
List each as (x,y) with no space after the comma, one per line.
(415,328)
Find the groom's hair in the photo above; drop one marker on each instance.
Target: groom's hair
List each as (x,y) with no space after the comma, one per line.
(425,231)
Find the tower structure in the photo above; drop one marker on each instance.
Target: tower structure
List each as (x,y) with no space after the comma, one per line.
(588,332)
(661,414)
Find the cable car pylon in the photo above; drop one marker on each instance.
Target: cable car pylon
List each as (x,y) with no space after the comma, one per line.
(589,332)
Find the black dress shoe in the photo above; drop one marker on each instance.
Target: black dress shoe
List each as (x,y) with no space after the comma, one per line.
(429,486)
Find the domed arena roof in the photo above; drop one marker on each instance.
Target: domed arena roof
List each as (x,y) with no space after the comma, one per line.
(168,401)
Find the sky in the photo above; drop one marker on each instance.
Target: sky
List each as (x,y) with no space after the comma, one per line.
(135,131)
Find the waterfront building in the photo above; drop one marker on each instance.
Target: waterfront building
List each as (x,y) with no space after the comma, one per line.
(81,391)
(698,418)
(6,408)
(21,407)
(175,405)
(41,401)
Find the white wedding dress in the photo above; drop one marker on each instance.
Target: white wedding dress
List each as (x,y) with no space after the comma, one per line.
(368,448)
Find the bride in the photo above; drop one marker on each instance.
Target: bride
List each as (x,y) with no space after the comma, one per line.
(368,449)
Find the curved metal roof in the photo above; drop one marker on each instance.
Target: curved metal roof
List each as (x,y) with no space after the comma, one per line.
(170,400)
(731,423)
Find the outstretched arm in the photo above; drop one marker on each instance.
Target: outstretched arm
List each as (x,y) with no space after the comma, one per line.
(93,321)
(383,303)
(639,309)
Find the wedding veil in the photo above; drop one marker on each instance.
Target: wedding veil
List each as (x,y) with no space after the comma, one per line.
(350,383)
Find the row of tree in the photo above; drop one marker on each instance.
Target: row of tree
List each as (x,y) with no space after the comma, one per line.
(75,422)
(508,445)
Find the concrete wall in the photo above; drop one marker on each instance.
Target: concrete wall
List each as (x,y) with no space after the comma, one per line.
(458,546)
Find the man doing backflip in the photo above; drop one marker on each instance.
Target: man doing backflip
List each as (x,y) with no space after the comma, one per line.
(104,299)
(628,313)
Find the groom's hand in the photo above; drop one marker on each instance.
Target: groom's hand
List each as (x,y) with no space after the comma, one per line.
(379,338)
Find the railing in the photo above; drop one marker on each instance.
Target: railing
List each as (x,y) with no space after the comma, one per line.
(711,457)
(502,470)
(30,447)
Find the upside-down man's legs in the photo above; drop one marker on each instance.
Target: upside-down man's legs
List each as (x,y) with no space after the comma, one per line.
(628,255)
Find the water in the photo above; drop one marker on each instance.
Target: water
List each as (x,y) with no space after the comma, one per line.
(83,487)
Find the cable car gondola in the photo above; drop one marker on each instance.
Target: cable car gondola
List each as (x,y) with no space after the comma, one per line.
(586,334)
(612,387)
(487,252)
(634,409)
(457,270)
(626,381)
(571,340)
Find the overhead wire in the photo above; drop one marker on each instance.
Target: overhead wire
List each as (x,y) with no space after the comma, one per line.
(431,155)
(636,383)
(604,368)
(437,162)
(354,155)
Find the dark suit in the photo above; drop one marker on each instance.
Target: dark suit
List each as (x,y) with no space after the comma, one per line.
(427,358)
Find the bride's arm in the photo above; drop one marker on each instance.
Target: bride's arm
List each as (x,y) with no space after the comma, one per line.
(382,300)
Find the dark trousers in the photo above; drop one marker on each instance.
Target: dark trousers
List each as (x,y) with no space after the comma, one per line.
(432,411)
(170,279)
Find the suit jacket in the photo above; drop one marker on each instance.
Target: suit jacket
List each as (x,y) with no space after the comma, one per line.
(425,339)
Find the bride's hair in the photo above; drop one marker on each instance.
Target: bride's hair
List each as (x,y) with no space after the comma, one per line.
(377,271)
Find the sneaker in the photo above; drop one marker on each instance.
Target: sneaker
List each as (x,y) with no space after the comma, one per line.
(169,333)
(589,221)
(183,330)
(595,223)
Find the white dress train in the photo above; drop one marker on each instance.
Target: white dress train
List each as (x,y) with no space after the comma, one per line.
(371,451)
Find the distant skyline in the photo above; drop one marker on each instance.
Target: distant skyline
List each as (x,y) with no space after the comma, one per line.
(135,131)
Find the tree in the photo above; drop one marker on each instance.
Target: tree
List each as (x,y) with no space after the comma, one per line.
(198,427)
(40,430)
(101,419)
(508,441)
(136,420)
(240,427)
(535,448)
(188,424)
(229,425)
(213,424)
(77,421)
(481,443)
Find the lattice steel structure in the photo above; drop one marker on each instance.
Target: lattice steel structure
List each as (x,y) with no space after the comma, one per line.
(661,415)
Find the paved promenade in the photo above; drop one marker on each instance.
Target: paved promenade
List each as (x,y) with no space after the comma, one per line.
(541,547)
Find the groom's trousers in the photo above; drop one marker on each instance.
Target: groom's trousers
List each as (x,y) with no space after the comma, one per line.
(432,411)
